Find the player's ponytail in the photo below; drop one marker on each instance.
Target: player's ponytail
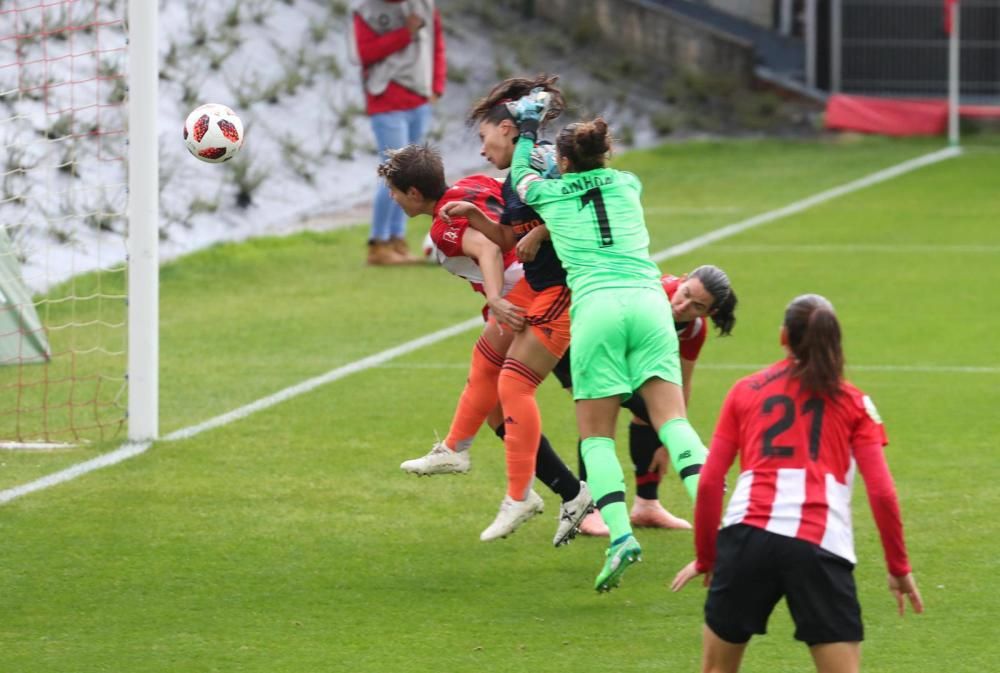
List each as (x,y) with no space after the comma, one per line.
(492,107)
(814,339)
(585,145)
(716,283)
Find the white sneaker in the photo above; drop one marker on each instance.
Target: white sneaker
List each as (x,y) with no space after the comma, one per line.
(440,460)
(511,515)
(571,513)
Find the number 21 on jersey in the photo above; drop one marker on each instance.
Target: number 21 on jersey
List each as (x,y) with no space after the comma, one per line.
(786,405)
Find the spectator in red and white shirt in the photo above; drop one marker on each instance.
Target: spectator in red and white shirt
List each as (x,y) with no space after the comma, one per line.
(400,46)
(801,432)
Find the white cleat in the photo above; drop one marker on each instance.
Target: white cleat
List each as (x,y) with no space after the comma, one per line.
(511,515)
(440,460)
(571,513)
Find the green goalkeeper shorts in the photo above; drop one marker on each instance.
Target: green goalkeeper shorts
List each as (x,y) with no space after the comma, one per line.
(620,338)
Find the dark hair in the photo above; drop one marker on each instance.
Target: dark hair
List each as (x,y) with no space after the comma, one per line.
(585,144)
(814,339)
(491,108)
(716,282)
(417,166)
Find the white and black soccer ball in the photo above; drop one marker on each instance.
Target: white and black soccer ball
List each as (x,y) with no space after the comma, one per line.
(430,250)
(213,133)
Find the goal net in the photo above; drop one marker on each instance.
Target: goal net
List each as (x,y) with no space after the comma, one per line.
(63,234)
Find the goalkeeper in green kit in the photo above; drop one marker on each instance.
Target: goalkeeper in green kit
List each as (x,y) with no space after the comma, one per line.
(622,334)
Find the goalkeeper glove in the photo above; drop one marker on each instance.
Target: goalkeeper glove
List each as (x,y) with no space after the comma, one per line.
(529,110)
(533,105)
(543,160)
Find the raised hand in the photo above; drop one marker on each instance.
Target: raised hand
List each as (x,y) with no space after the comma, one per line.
(530,107)
(543,160)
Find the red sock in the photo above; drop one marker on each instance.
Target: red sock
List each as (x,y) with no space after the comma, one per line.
(522,423)
(478,398)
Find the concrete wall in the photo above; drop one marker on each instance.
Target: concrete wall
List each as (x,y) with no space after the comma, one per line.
(649,31)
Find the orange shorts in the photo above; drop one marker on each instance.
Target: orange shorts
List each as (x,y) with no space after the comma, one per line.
(547,312)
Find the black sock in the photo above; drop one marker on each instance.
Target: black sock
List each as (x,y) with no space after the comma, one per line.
(550,469)
(643,443)
(579,458)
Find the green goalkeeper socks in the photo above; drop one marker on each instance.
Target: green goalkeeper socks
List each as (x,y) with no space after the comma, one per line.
(687,453)
(607,483)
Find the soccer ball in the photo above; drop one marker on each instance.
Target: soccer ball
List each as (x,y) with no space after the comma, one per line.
(213,133)
(430,250)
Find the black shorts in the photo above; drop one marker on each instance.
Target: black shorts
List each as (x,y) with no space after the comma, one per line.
(561,371)
(754,569)
(635,403)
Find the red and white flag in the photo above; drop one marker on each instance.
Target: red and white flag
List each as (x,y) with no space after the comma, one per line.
(948,4)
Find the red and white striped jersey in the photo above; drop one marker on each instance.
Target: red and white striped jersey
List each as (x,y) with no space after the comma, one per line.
(690,336)
(798,457)
(485,192)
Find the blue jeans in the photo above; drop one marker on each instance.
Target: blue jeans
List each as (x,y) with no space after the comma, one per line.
(392,131)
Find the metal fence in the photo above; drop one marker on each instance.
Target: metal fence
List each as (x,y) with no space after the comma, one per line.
(900,48)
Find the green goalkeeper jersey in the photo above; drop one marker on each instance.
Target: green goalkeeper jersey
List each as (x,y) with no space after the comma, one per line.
(595,221)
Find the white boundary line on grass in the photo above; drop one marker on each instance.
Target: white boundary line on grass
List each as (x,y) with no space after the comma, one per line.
(877,248)
(809,202)
(132,449)
(907,369)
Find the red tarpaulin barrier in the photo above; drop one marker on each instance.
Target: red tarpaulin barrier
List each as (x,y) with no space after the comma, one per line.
(891,117)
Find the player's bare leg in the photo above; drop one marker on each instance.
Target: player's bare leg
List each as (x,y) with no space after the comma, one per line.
(718,655)
(837,657)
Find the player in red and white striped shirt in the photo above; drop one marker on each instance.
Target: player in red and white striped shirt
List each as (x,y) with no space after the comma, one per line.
(801,432)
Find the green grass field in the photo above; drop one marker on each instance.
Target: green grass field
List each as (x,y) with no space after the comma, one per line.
(290,542)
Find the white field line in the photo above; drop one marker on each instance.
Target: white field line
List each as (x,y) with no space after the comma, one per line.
(914,369)
(132,449)
(124,452)
(35,446)
(333,375)
(805,204)
(903,369)
(881,249)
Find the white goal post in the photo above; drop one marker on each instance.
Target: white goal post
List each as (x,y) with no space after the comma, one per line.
(143,213)
(79,236)
(954,73)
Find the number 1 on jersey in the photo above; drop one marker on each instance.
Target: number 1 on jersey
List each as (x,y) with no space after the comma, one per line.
(594,196)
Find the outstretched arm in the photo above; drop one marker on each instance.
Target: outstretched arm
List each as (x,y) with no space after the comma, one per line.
(885,509)
(521,172)
(490,260)
(708,511)
(478,220)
